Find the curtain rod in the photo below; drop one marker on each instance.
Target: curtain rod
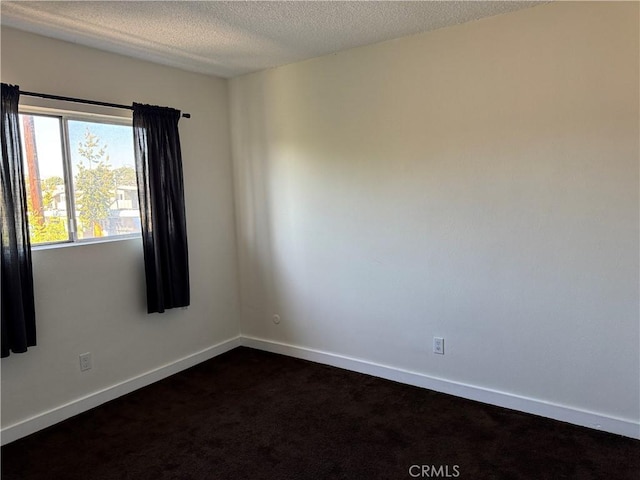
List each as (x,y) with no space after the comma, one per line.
(80,100)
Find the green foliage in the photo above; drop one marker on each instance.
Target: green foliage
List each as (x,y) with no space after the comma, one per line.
(95,184)
(48,187)
(125,176)
(52,230)
(47,229)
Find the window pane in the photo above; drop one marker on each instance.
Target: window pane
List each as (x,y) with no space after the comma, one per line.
(44,179)
(104,178)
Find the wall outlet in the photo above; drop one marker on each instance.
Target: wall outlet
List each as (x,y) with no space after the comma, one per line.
(276,319)
(438,345)
(85,362)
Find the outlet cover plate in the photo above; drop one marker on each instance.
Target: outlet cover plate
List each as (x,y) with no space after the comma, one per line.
(85,362)
(438,345)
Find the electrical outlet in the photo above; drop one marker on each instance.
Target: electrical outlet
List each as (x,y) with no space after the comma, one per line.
(276,319)
(85,362)
(438,345)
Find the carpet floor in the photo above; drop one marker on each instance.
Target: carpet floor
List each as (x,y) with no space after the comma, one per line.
(254,415)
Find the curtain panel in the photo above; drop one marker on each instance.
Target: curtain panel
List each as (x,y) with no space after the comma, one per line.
(162,209)
(18,317)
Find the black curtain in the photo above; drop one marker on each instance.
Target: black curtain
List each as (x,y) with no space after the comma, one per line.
(18,311)
(162,211)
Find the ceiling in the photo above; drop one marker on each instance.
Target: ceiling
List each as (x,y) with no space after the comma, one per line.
(230,38)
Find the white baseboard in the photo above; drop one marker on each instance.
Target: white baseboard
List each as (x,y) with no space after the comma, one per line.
(58,414)
(502,399)
(562,413)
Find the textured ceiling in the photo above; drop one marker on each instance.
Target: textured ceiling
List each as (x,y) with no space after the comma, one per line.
(233,38)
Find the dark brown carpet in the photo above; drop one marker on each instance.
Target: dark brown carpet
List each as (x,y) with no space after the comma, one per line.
(254,415)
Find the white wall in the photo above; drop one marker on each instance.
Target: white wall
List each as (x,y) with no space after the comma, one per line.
(478,183)
(91,298)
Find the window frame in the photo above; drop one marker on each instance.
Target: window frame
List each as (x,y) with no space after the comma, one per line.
(64,116)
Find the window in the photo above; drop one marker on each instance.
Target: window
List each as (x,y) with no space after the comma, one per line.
(79,176)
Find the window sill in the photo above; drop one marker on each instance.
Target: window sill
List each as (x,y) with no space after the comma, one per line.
(91,241)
